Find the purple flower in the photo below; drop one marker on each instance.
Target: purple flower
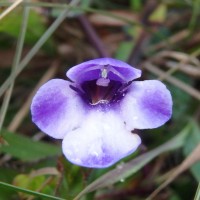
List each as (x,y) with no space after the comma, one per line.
(96,112)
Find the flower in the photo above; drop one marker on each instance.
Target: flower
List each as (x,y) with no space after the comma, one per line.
(96,111)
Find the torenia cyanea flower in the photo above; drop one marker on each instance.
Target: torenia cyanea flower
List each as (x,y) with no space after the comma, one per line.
(96,112)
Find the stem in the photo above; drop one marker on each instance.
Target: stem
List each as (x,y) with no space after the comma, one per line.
(92,36)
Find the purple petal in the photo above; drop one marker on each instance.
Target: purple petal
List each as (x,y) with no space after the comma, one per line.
(147,104)
(90,70)
(56,109)
(100,142)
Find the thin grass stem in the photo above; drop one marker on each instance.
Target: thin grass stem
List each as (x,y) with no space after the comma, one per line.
(16,61)
(31,192)
(76,8)
(36,47)
(10,8)
(197,195)
(183,86)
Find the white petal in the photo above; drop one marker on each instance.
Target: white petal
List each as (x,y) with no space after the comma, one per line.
(147,104)
(100,142)
(56,109)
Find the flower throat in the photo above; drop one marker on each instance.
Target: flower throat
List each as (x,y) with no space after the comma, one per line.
(103,90)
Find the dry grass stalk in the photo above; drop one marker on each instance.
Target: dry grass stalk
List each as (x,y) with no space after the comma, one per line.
(17,120)
(10,8)
(155,70)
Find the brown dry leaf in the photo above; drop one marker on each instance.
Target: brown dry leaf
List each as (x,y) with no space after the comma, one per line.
(3,141)
(103,20)
(45,171)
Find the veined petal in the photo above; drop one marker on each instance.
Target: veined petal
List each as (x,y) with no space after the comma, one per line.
(147,104)
(101,141)
(56,109)
(90,70)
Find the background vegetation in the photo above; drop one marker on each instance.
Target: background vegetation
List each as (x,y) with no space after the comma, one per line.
(42,39)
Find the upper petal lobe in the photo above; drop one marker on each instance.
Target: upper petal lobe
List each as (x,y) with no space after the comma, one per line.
(56,108)
(147,104)
(89,70)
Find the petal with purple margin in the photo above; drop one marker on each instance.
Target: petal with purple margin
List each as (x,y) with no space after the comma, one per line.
(100,142)
(56,109)
(90,70)
(147,104)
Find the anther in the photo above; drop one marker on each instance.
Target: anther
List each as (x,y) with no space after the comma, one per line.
(103,80)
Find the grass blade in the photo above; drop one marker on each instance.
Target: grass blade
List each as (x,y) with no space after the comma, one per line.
(19,189)
(26,149)
(197,195)
(134,165)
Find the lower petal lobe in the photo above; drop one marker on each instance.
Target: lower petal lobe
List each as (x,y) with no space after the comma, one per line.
(147,104)
(100,142)
(56,109)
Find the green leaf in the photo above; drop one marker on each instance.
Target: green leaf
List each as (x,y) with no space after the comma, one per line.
(11,25)
(29,182)
(193,139)
(136,5)
(123,171)
(159,15)
(26,149)
(124,50)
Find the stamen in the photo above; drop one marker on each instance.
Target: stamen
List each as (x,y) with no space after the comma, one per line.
(104,73)
(104,90)
(105,69)
(103,80)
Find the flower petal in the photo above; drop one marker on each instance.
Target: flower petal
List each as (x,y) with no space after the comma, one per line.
(100,142)
(90,70)
(147,104)
(56,109)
